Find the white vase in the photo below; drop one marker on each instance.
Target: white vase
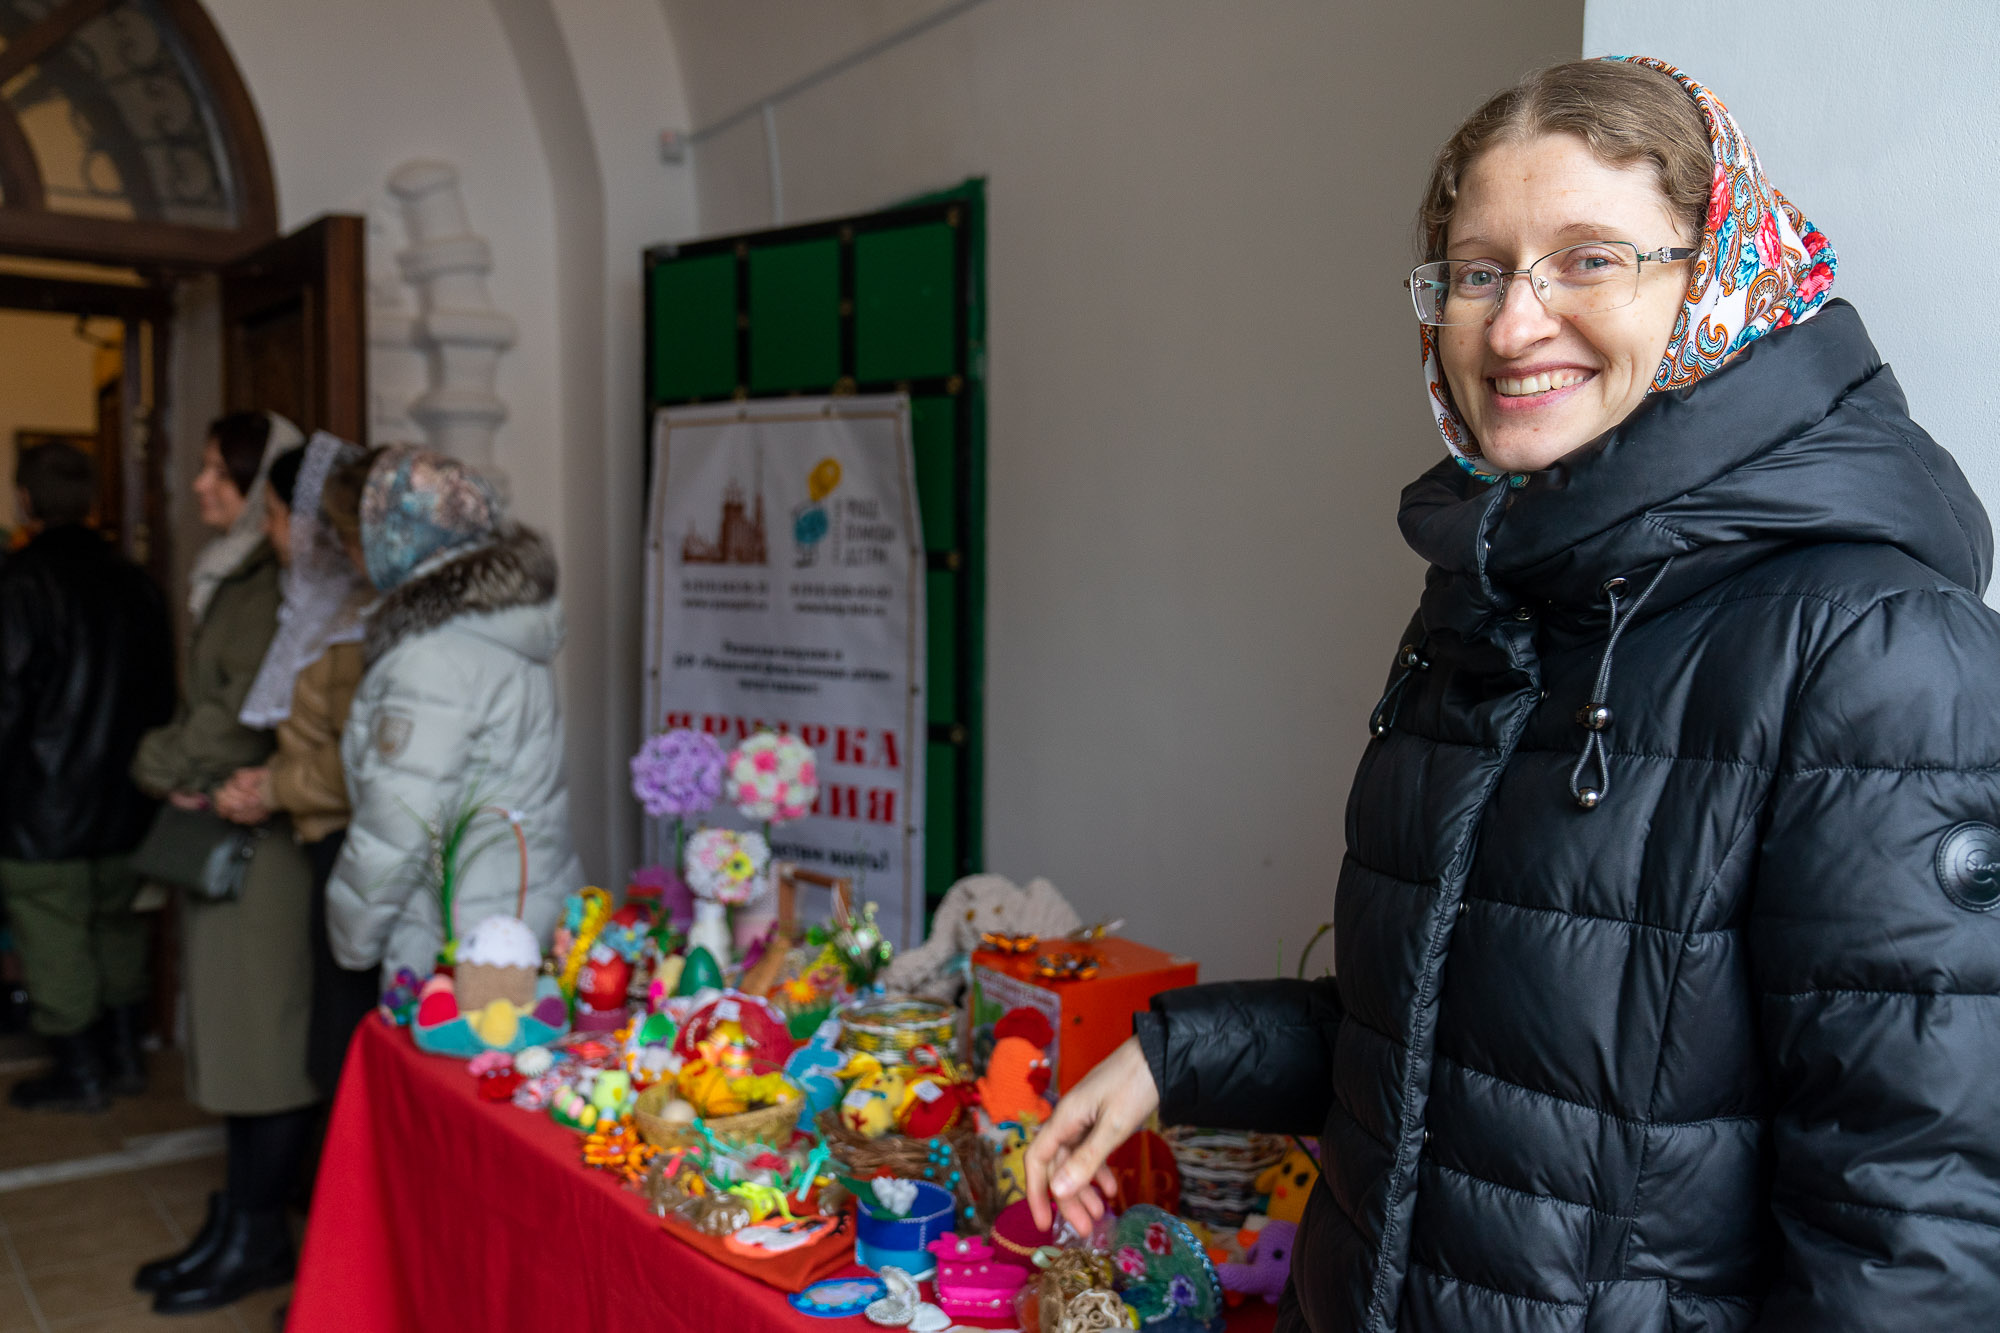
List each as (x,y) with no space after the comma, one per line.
(710,931)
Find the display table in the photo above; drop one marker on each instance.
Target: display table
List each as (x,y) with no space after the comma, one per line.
(437,1210)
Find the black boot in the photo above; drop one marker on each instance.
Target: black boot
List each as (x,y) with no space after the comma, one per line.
(76,1083)
(162,1273)
(118,1035)
(255,1253)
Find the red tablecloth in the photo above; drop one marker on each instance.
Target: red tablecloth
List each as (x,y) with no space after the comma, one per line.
(436,1210)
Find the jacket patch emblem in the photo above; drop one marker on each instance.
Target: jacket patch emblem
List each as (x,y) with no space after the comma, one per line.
(392,733)
(1968,866)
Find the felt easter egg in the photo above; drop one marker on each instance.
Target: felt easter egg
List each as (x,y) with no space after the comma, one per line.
(602,982)
(550,1010)
(677,1112)
(438,1002)
(666,976)
(497,1023)
(698,972)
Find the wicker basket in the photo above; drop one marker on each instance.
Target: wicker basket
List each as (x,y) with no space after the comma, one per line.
(1219,1170)
(773,1125)
(892,1026)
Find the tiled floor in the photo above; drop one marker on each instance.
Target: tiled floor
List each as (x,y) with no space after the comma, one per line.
(70,1249)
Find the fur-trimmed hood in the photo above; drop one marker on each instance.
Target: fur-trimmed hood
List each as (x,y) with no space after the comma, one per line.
(516,572)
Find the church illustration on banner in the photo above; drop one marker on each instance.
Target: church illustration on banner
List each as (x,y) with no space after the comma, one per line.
(739,537)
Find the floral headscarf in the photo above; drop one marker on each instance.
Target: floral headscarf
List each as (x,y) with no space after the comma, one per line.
(418,505)
(1760,266)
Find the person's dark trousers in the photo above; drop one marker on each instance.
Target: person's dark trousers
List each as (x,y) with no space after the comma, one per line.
(342,996)
(248,1246)
(83,955)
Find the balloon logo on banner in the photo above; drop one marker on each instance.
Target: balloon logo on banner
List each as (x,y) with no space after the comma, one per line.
(825,476)
(809,522)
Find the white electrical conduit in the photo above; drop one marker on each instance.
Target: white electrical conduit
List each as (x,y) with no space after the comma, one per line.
(767,106)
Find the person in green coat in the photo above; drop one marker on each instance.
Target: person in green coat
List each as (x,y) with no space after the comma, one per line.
(247,963)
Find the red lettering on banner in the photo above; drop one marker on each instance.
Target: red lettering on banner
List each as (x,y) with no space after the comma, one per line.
(882,805)
(850,745)
(837,801)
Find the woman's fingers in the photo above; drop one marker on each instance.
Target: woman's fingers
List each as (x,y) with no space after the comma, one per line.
(1049,1150)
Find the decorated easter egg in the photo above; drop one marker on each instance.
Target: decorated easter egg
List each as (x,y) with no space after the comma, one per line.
(497,1023)
(602,982)
(699,972)
(677,1112)
(437,1002)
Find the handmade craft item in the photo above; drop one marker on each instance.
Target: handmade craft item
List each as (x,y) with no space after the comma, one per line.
(1017,1072)
(442,1027)
(903,1306)
(1288,1183)
(1164,1273)
(959,1151)
(1015,1237)
(772,777)
(972,1283)
(1219,1170)
(725,868)
(1146,1171)
(885,1237)
(1265,1266)
(498,959)
(972,907)
(815,1069)
(838,1298)
(892,1027)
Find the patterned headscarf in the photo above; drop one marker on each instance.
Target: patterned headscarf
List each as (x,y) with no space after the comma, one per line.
(1760,266)
(418,505)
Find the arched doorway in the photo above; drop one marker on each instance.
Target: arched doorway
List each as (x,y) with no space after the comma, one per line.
(136,186)
(126,134)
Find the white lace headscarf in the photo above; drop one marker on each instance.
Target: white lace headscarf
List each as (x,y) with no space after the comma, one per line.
(223,556)
(322,590)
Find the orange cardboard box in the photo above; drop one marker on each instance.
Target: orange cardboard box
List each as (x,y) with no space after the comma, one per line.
(1090,1018)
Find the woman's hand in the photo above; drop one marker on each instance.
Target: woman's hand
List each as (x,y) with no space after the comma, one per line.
(246,797)
(1066,1160)
(187,800)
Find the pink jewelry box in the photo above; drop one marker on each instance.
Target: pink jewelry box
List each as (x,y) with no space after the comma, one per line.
(971,1283)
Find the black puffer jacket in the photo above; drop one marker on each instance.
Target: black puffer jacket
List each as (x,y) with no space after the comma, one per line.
(86,667)
(1723,1052)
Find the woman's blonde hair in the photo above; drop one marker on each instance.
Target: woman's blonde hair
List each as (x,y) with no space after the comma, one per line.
(1627,113)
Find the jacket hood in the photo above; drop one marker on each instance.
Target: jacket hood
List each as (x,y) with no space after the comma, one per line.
(510,585)
(1805,438)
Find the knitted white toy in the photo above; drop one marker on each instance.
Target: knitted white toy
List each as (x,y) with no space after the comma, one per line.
(973,906)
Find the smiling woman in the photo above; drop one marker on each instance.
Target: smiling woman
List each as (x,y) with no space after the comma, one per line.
(1697,1048)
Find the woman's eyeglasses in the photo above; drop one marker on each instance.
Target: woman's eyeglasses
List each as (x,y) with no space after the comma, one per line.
(1585,279)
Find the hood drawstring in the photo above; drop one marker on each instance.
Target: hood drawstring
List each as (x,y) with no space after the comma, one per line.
(1411,659)
(1595,716)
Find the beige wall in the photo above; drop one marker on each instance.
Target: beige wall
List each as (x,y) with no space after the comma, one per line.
(551,110)
(48,381)
(1204,393)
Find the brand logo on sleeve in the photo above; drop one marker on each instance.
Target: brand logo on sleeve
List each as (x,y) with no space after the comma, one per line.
(1968,866)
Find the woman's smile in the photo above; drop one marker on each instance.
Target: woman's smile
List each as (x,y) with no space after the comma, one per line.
(1533,388)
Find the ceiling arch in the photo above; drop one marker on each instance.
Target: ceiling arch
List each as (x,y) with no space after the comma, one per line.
(126,133)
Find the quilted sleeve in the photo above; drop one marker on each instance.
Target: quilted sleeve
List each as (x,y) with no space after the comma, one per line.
(1254,1055)
(408,750)
(1876,957)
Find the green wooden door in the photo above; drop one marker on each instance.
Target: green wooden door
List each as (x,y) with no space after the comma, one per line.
(884,302)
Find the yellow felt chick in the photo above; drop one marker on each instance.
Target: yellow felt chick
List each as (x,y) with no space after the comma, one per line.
(1288,1183)
(1010,1173)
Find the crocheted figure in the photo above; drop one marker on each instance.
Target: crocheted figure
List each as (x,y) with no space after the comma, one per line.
(973,906)
(1017,1073)
(1265,1267)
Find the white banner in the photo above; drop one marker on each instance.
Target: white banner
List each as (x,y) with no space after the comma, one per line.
(785,589)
